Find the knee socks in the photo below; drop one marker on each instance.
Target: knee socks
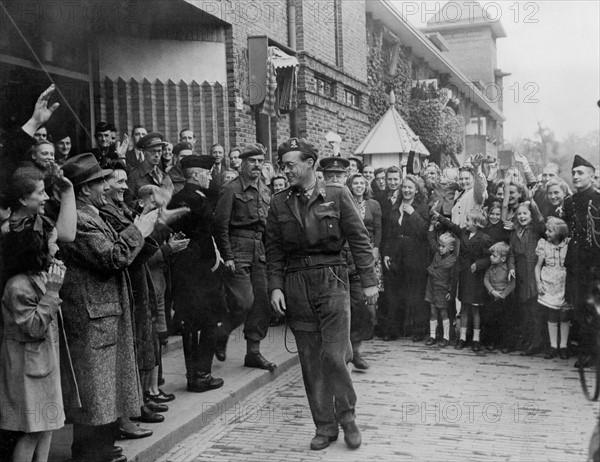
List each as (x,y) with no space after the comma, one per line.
(553,333)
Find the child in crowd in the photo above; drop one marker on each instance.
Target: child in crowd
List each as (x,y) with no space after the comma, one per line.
(495,227)
(472,262)
(550,275)
(441,283)
(499,318)
(521,262)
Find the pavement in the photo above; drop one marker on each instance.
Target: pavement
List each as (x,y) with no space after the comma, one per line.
(415,403)
(190,413)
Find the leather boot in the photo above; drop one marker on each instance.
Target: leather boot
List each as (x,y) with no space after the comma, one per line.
(189,342)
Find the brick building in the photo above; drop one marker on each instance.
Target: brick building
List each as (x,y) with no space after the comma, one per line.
(173,64)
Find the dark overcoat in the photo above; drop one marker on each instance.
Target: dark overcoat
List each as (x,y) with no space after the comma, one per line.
(197,290)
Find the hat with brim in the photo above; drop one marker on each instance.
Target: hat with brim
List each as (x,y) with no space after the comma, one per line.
(359,163)
(334,164)
(152,139)
(205,162)
(84,168)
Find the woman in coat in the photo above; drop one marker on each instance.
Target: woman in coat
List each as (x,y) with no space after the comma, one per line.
(30,389)
(406,253)
(362,319)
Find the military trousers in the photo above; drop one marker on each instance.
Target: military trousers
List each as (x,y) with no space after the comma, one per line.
(318,311)
(246,289)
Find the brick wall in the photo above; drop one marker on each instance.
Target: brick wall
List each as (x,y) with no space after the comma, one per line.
(354,31)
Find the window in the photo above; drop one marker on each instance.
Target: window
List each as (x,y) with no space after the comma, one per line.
(324,86)
(352,98)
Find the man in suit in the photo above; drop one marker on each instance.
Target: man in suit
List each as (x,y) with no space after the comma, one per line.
(135,156)
(97,315)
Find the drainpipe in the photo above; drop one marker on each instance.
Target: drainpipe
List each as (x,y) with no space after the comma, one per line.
(291,11)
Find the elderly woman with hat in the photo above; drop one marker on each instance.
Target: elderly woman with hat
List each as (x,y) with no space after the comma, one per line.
(97,314)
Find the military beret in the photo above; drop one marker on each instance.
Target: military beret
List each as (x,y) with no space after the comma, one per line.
(252,150)
(334,164)
(205,162)
(297,144)
(150,140)
(182,147)
(579,161)
(103,127)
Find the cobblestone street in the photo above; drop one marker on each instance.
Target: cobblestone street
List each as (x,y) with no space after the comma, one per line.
(416,403)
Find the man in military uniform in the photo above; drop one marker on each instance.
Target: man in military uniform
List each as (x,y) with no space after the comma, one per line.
(334,169)
(198,295)
(240,222)
(361,314)
(306,228)
(582,214)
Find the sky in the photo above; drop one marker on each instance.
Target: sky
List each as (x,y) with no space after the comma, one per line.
(552,51)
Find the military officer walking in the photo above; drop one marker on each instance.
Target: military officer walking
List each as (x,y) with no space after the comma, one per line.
(308,281)
(240,221)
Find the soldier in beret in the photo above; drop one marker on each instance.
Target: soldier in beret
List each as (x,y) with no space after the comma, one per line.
(308,281)
(180,150)
(197,288)
(240,222)
(582,215)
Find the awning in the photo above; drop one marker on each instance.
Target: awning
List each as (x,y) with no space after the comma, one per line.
(391,135)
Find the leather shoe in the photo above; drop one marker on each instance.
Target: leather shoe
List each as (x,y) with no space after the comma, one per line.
(155,407)
(430,341)
(460,345)
(352,435)
(160,397)
(202,383)
(584,361)
(563,353)
(443,343)
(116,451)
(221,354)
(321,442)
(476,346)
(148,416)
(257,360)
(359,362)
(134,434)
(551,354)
(531,351)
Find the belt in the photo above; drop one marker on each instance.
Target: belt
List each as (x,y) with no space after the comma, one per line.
(246,233)
(314,260)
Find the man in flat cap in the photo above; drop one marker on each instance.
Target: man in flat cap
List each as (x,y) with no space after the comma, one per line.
(149,172)
(105,150)
(307,225)
(334,169)
(582,214)
(97,315)
(197,288)
(240,224)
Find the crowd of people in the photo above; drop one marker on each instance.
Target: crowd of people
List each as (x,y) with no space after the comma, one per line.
(108,252)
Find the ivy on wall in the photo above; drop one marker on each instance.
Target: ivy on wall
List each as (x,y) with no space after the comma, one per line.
(426,110)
